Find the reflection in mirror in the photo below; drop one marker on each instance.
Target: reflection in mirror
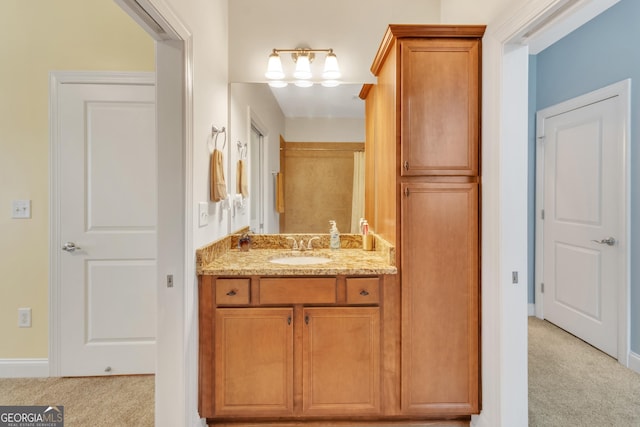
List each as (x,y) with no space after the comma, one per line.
(309,136)
(256,162)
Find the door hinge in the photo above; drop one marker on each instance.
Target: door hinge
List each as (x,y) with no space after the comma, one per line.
(542,287)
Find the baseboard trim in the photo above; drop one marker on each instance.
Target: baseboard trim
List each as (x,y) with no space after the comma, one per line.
(634,361)
(24,368)
(532,309)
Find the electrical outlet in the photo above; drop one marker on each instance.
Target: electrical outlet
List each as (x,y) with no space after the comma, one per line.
(203,214)
(24,317)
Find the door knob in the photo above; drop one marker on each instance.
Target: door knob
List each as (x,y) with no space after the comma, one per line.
(70,247)
(608,241)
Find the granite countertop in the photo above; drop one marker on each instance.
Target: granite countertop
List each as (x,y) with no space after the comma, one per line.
(256,262)
(222,258)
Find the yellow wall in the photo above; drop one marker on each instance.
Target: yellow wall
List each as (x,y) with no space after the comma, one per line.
(38,36)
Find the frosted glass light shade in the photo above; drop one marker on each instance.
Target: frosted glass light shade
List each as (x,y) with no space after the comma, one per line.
(330,83)
(303,83)
(303,67)
(331,69)
(274,67)
(278,83)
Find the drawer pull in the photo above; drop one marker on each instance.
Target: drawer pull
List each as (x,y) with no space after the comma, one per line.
(232,292)
(364,293)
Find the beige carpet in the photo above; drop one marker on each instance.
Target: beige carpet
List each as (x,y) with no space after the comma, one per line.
(118,401)
(573,384)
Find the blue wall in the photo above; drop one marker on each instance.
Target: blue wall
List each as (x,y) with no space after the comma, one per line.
(601,52)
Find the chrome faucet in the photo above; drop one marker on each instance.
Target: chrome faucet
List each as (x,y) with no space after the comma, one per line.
(309,245)
(300,246)
(295,244)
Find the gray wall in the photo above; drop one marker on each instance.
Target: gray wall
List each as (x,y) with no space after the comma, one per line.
(601,52)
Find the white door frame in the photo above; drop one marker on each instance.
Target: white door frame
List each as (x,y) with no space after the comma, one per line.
(56,79)
(506,46)
(622,90)
(176,385)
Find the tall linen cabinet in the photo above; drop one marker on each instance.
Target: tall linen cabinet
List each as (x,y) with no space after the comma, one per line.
(423,145)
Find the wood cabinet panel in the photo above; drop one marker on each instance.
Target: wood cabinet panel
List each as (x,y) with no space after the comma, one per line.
(440,352)
(363,290)
(428,106)
(254,361)
(232,291)
(386,151)
(298,290)
(440,104)
(341,360)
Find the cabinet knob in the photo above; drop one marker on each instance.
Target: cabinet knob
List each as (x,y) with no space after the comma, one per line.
(364,293)
(232,292)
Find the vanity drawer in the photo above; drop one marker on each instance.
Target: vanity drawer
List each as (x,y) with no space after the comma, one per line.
(363,290)
(298,290)
(232,291)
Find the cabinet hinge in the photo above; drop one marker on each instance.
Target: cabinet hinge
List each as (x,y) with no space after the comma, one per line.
(542,214)
(289,320)
(542,287)
(406,165)
(406,191)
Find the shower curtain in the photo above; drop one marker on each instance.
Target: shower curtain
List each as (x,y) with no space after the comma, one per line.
(357,204)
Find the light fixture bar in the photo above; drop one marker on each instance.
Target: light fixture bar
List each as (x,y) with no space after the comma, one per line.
(303,57)
(299,50)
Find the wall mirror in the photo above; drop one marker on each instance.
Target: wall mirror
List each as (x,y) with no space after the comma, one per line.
(304,146)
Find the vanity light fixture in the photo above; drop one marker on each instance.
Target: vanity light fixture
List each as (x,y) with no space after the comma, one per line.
(303,57)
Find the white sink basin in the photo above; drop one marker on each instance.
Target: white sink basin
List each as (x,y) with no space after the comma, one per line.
(300,260)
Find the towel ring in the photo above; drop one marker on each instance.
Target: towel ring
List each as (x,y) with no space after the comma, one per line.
(215,132)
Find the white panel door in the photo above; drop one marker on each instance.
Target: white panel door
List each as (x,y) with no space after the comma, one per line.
(107,187)
(583,196)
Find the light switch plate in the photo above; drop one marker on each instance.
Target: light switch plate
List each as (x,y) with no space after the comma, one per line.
(21,209)
(203,214)
(24,317)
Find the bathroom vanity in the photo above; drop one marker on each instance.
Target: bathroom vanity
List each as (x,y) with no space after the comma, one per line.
(297,340)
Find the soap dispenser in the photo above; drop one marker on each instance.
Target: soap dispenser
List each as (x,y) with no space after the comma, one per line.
(334,236)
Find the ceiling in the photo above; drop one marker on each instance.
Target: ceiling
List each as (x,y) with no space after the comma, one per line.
(319,101)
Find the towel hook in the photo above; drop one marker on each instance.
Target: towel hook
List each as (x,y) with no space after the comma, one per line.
(214,134)
(242,149)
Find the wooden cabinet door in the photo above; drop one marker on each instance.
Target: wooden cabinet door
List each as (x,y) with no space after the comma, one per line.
(440,323)
(254,361)
(341,361)
(439,106)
